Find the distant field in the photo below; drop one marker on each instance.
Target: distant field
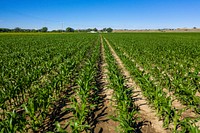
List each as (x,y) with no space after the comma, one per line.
(114,82)
(159,30)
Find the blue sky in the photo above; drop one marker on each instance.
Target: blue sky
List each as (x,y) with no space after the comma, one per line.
(118,14)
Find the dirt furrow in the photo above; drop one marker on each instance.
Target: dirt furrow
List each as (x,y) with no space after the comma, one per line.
(197,94)
(103,122)
(176,103)
(146,112)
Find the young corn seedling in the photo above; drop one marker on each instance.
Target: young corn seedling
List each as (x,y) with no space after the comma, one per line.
(126,111)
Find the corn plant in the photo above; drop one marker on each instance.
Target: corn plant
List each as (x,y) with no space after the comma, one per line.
(164,60)
(127,111)
(37,71)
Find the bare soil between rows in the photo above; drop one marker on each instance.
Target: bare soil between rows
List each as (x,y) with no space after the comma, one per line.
(188,113)
(104,123)
(146,113)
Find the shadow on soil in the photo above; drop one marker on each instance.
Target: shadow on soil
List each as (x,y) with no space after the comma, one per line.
(98,115)
(100,111)
(57,113)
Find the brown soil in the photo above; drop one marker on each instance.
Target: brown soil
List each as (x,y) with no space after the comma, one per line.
(147,114)
(197,94)
(99,121)
(104,123)
(58,112)
(188,113)
(176,103)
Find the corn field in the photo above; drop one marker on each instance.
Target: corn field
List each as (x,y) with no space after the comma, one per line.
(116,82)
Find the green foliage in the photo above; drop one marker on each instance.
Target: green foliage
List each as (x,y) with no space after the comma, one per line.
(69,29)
(126,110)
(107,29)
(168,61)
(44,29)
(35,70)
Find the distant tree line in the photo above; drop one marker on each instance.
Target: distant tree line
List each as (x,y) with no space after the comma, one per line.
(45,29)
(107,30)
(95,30)
(17,29)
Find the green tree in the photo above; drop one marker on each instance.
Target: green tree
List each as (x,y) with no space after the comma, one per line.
(69,29)
(95,29)
(109,29)
(89,29)
(17,29)
(104,29)
(44,29)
